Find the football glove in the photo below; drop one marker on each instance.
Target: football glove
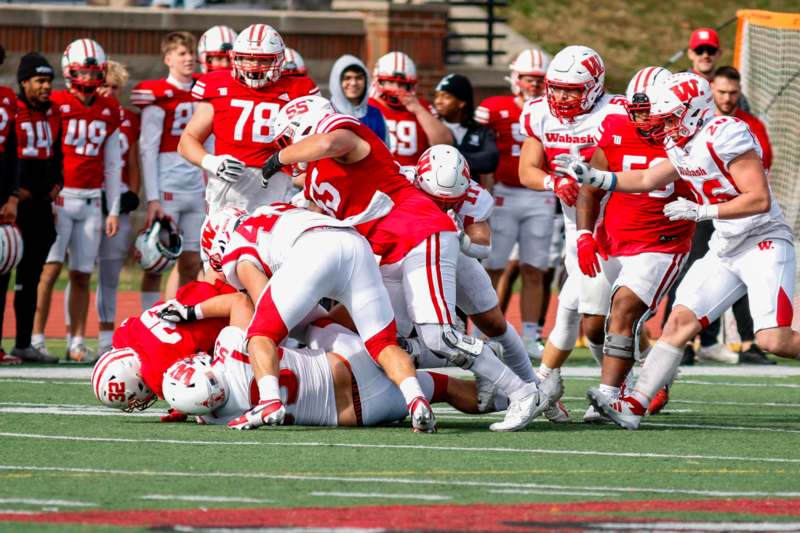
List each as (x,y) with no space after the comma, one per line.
(174,311)
(225,167)
(267,412)
(571,165)
(588,250)
(565,188)
(270,168)
(683,209)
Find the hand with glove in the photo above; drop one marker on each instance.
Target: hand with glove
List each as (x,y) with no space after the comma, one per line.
(573,166)
(683,209)
(267,412)
(225,167)
(588,250)
(174,311)
(272,166)
(565,188)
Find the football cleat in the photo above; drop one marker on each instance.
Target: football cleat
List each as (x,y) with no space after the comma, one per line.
(422,419)
(79,353)
(557,413)
(593,416)
(7,359)
(522,411)
(718,353)
(660,400)
(626,411)
(33,355)
(270,413)
(552,385)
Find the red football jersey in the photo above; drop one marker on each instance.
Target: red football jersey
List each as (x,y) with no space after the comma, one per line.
(128,134)
(243,117)
(36,131)
(159,343)
(634,223)
(84,130)
(407,139)
(501,114)
(8,110)
(361,190)
(177,104)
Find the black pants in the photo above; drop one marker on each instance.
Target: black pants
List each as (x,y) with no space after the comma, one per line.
(37,225)
(741,309)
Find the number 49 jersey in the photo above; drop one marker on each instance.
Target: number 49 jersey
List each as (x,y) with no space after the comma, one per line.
(634,223)
(244,117)
(84,131)
(704,164)
(160,343)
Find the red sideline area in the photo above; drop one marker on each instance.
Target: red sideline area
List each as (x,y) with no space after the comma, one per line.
(474,517)
(129,304)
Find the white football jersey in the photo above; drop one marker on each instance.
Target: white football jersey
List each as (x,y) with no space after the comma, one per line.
(477,206)
(559,137)
(703,163)
(306,386)
(265,237)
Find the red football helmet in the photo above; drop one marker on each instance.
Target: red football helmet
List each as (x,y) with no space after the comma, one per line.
(84,65)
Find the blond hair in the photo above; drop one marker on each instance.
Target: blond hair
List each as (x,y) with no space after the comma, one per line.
(117,74)
(174,39)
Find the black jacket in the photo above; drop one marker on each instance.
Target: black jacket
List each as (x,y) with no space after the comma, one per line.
(479,149)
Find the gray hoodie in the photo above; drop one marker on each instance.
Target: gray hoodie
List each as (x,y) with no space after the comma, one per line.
(338,99)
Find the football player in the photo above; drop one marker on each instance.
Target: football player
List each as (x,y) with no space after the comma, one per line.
(213,48)
(410,119)
(751,251)
(352,176)
(173,187)
(642,251)
(90,129)
(332,382)
(565,120)
(521,216)
(239,108)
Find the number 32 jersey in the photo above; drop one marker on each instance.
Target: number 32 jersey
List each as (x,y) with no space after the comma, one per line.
(243,117)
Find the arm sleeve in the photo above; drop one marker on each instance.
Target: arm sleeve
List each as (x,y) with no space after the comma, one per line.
(149,144)
(484,160)
(112,170)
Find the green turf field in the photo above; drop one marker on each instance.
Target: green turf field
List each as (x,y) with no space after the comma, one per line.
(722,438)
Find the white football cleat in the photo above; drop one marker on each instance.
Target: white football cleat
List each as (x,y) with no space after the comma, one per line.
(718,353)
(521,412)
(552,385)
(422,419)
(593,416)
(626,411)
(532,347)
(557,413)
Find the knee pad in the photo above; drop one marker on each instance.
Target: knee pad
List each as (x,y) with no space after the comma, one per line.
(447,343)
(566,329)
(619,346)
(230,339)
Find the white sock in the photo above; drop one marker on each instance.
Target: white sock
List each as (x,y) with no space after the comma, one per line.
(515,355)
(597,352)
(630,380)
(488,366)
(104,338)
(544,371)
(411,389)
(608,390)
(69,338)
(659,367)
(37,338)
(149,299)
(75,342)
(530,329)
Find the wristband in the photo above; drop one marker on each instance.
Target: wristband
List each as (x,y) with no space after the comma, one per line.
(268,389)
(708,212)
(197,311)
(584,232)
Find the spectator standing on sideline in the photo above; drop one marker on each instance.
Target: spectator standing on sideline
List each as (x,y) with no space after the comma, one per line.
(704,52)
(454,102)
(348,85)
(34,150)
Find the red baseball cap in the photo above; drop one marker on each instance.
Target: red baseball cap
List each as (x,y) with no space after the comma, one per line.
(704,36)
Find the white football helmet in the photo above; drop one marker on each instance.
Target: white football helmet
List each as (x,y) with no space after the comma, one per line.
(84,65)
(215,234)
(293,65)
(10,247)
(685,103)
(158,247)
(117,381)
(193,386)
(257,56)
(575,67)
(638,97)
(299,118)
(396,67)
(529,62)
(443,174)
(217,41)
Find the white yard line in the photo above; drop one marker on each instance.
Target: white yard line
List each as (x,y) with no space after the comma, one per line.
(82,411)
(380,496)
(726,428)
(693,402)
(197,498)
(43,382)
(35,501)
(394,481)
(446,449)
(549,492)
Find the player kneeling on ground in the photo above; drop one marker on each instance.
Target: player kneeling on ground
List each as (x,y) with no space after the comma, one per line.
(751,251)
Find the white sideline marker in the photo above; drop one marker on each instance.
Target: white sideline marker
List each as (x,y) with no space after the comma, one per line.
(198,498)
(35,501)
(447,449)
(382,496)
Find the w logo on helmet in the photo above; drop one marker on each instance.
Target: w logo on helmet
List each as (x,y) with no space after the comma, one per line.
(593,65)
(686,90)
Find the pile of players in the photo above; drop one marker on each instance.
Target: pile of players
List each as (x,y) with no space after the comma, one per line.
(397,251)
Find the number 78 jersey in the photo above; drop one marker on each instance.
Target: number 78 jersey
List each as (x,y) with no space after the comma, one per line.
(244,117)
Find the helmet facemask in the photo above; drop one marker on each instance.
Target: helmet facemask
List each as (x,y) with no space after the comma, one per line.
(567,108)
(648,128)
(86,78)
(256,70)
